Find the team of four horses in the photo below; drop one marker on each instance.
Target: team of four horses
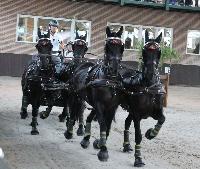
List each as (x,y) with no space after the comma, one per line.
(104,85)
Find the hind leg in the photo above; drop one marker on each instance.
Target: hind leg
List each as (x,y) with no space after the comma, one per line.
(86,140)
(24,106)
(64,115)
(126,144)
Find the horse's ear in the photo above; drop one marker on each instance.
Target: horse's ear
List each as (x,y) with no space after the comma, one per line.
(39,33)
(48,34)
(86,36)
(119,33)
(146,36)
(108,32)
(77,35)
(159,38)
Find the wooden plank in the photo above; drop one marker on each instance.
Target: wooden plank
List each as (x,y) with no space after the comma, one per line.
(165,81)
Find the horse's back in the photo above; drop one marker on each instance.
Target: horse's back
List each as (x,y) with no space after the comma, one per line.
(130,79)
(80,75)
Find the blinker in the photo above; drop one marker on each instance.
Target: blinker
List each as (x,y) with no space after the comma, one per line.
(115,41)
(81,43)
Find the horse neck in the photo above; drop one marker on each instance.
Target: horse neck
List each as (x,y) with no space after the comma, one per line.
(154,80)
(44,53)
(109,67)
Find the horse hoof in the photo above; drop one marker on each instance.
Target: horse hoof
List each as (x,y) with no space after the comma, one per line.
(127,148)
(96,144)
(138,162)
(61,118)
(148,134)
(80,131)
(43,115)
(85,143)
(103,155)
(23,115)
(68,135)
(34,132)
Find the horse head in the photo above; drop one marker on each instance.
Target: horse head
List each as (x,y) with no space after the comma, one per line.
(44,47)
(151,54)
(114,48)
(79,46)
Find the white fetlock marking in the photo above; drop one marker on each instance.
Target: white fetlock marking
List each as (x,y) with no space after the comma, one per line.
(103,135)
(1,153)
(125,143)
(87,134)
(154,133)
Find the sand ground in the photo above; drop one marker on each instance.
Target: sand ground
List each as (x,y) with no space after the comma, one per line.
(176,147)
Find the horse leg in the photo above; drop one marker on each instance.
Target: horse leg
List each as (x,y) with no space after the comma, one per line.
(73,108)
(101,143)
(153,132)
(126,144)
(138,138)
(35,109)
(45,114)
(80,130)
(109,118)
(64,115)
(86,140)
(25,104)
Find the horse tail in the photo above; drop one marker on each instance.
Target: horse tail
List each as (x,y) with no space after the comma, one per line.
(80,107)
(114,119)
(24,80)
(76,108)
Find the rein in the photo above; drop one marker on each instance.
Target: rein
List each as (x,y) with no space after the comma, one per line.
(148,90)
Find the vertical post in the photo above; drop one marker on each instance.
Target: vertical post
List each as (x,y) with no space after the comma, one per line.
(122,2)
(167,5)
(165,79)
(166,84)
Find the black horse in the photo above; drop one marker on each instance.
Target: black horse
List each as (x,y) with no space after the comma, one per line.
(79,48)
(38,73)
(143,96)
(97,84)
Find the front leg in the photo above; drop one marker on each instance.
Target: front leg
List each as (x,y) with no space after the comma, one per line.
(45,114)
(138,138)
(34,123)
(69,132)
(126,144)
(80,130)
(25,103)
(101,143)
(50,101)
(152,133)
